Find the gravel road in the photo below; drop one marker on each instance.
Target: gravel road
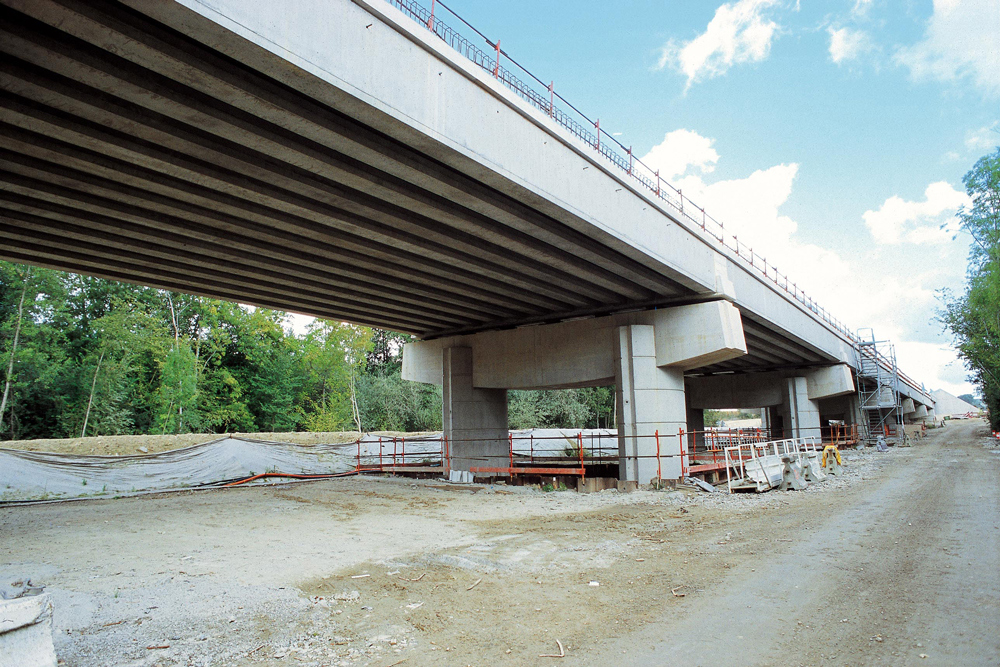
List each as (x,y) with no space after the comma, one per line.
(904,570)
(897,559)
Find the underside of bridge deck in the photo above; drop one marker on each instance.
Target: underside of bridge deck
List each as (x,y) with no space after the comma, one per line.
(132,151)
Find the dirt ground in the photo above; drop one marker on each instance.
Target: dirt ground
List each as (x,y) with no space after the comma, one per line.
(127,445)
(895,563)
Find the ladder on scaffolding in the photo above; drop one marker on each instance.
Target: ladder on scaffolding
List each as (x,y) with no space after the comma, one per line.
(878,386)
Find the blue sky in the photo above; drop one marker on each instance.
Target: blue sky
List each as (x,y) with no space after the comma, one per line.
(833,135)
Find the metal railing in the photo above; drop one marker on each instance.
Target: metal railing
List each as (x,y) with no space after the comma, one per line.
(543,97)
(760,463)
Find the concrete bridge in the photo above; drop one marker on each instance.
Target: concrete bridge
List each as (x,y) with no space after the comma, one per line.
(340,159)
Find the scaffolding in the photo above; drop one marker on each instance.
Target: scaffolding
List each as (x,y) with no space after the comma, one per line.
(878,387)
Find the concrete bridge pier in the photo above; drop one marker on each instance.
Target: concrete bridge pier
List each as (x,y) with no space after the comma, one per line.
(644,354)
(651,408)
(474,420)
(800,414)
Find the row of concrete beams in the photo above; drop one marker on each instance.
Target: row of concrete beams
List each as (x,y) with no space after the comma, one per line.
(111,167)
(132,151)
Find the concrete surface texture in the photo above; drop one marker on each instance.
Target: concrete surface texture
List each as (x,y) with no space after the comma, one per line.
(650,404)
(949,404)
(897,558)
(475,419)
(26,632)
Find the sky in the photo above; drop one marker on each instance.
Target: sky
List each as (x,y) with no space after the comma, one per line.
(831,136)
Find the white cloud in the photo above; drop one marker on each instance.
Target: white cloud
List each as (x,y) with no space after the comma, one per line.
(985,138)
(846,44)
(854,288)
(680,150)
(934,364)
(749,206)
(962,41)
(738,33)
(861,7)
(929,221)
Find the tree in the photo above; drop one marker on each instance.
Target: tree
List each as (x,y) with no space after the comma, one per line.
(334,355)
(25,284)
(974,317)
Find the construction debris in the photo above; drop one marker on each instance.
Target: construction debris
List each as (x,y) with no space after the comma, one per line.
(562,652)
(701,484)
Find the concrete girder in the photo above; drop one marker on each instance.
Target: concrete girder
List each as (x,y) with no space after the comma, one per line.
(581,353)
(766,389)
(216,211)
(155,93)
(157,50)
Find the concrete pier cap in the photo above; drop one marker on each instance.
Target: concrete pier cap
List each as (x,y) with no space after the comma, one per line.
(644,354)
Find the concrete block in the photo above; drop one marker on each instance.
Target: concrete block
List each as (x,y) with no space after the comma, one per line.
(26,632)
(626,486)
(595,484)
(792,477)
(830,381)
(460,477)
(658,404)
(639,339)
(699,334)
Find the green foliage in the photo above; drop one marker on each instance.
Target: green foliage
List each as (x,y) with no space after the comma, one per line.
(974,317)
(123,359)
(334,355)
(390,403)
(714,417)
(563,408)
(177,397)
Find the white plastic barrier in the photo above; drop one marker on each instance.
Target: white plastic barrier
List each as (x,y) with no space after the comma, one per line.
(758,465)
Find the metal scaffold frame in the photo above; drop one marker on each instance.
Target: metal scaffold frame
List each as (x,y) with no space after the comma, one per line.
(878,386)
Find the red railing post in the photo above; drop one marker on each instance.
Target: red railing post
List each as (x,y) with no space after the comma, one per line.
(683,447)
(551,98)
(597,124)
(659,468)
(496,65)
(657,182)
(430,21)
(629,160)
